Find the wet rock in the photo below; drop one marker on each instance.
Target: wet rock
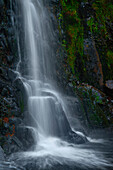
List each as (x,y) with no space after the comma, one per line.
(9,109)
(3,73)
(96,106)
(20,94)
(77,139)
(3,42)
(2,158)
(75,114)
(25,135)
(4,92)
(10,59)
(16,112)
(10,166)
(10,30)
(11,90)
(18,142)
(8,102)
(19,84)
(12,144)
(11,75)
(2,84)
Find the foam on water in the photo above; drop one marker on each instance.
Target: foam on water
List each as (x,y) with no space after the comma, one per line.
(64,153)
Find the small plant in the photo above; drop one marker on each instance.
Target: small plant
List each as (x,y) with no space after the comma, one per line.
(90,23)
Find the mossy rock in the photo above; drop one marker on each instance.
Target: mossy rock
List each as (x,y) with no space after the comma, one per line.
(96,106)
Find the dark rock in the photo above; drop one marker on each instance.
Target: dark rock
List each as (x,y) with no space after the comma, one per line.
(2,158)
(8,102)
(3,73)
(11,102)
(96,105)
(16,112)
(19,84)
(11,90)
(21,95)
(12,145)
(75,113)
(11,75)
(77,139)
(2,84)
(3,42)
(17,142)
(25,135)
(94,66)
(10,59)
(15,121)
(109,87)
(4,92)
(54,1)
(10,31)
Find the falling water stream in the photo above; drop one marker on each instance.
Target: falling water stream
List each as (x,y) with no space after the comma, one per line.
(55,146)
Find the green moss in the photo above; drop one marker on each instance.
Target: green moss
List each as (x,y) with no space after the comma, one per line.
(110,57)
(74,30)
(103,10)
(90,23)
(97,115)
(99,22)
(77,27)
(98,26)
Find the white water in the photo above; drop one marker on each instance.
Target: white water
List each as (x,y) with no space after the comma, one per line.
(46,108)
(45,105)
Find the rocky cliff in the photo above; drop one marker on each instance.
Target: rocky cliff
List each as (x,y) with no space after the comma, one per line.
(12,92)
(87,38)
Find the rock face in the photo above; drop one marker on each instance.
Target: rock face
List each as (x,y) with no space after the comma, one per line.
(12,92)
(94,66)
(97,106)
(87,37)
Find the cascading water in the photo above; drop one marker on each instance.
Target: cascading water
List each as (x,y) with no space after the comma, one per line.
(55,142)
(44,103)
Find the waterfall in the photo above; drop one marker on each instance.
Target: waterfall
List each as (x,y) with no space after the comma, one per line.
(54,141)
(45,105)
